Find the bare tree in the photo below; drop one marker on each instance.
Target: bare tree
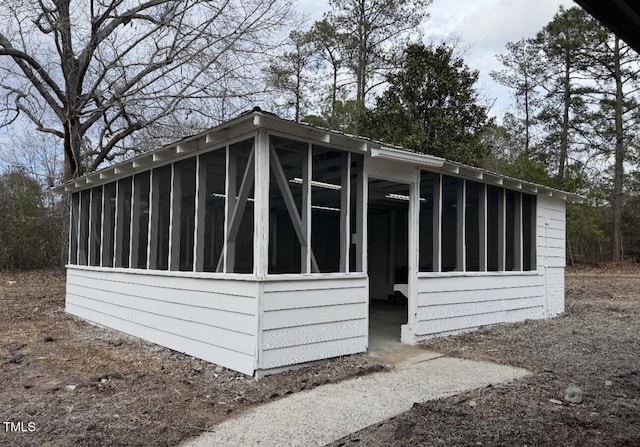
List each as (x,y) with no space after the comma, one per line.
(95,73)
(291,73)
(371,31)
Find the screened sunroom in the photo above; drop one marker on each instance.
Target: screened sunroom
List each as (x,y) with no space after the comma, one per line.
(264,243)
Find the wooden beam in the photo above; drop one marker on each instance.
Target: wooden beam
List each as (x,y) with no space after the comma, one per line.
(482,228)
(261,215)
(360,210)
(305,250)
(239,205)
(319,135)
(451,168)
(471,173)
(517,256)
(502,218)
(142,162)
(460,233)
(228,252)
(123,169)
(243,196)
(201,203)
(154,211)
(437,224)
(106,174)
(187,147)
(164,154)
(217,136)
(176,214)
(345,191)
(298,225)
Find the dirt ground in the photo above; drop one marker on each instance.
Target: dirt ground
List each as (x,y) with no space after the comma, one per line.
(595,346)
(82,385)
(71,383)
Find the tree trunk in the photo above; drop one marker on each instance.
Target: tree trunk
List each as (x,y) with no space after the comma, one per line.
(334,94)
(618,176)
(564,136)
(72,155)
(363,48)
(527,119)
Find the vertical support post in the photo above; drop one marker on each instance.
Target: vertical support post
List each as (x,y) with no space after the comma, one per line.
(201,203)
(135,217)
(460,233)
(345,192)
(517,233)
(229,255)
(79,222)
(482,228)
(361,206)
(154,205)
(117,240)
(261,205)
(414,258)
(176,213)
(90,228)
(69,244)
(534,233)
(437,225)
(365,223)
(108,235)
(502,217)
(115,225)
(100,263)
(305,251)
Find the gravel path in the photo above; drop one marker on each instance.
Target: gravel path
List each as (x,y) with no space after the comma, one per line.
(324,414)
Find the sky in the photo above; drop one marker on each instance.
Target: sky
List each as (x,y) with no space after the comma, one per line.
(482,27)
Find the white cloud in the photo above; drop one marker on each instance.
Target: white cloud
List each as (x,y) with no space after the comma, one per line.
(509,20)
(483,27)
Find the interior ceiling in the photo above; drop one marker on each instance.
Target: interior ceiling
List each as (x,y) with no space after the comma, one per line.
(620,16)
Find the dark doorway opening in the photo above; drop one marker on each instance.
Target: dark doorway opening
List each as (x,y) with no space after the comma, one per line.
(388,256)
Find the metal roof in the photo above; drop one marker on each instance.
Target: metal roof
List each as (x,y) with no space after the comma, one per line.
(620,16)
(249,122)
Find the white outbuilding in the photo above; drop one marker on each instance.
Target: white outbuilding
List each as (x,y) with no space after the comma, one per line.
(263,243)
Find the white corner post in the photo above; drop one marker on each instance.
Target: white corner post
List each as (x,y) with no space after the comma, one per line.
(261,206)
(407,331)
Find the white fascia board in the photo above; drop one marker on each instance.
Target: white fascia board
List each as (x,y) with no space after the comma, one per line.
(407,157)
(308,133)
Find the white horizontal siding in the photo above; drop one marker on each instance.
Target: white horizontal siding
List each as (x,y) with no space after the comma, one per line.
(551,232)
(555,291)
(310,319)
(455,303)
(469,322)
(551,235)
(495,306)
(212,319)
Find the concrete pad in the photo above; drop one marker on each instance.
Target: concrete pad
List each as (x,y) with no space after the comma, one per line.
(319,416)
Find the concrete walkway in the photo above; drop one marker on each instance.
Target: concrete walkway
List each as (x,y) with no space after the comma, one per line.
(321,415)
